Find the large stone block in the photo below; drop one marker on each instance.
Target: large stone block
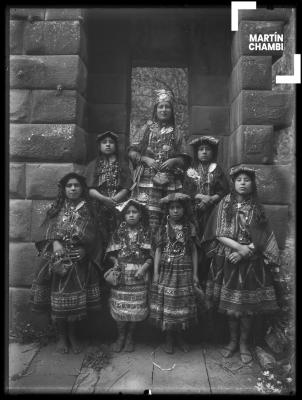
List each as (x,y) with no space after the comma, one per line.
(207,90)
(27,13)
(38,214)
(22,263)
(51,106)
(47,142)
(65,14)
(16,31)
(251,72)
(274,183)
(17,180)
(19,309)
(279,219)
(241,39)
(251,144)
(107,88)
(20,220)
(63,37)
(42,179)
(103,117)
(19,105)
(48,72)
(264,14)
(262,107)
(209,120)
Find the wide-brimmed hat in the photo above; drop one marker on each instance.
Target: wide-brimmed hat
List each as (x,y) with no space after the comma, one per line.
(211,140)
(175,197)
(111,134)
(123,206)
(234,171)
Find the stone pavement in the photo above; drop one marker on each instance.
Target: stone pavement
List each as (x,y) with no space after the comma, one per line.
(34,369)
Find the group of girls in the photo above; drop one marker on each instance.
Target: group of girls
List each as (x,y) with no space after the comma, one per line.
(168,226)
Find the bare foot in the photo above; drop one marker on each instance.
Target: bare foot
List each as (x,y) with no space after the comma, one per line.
(118,344)
(129,345)
(182,344)
(229,350)
(62,345)
(245,354)
(75,345)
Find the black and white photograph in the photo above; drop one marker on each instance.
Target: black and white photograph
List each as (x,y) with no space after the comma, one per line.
(152,199)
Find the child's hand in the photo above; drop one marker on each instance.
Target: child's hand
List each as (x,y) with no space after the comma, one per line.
(245,251)
(140,272)
(109,202)
(169,164)
(195,280)
(150,162)
(58,248)
(77,254)
(235,257)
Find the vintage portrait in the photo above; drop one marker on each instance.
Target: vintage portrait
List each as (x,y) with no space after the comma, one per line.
(152,187)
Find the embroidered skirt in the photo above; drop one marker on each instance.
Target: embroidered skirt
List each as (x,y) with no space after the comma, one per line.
(239,289)
(172,299)
(129,300)
(68,297)
(156,192)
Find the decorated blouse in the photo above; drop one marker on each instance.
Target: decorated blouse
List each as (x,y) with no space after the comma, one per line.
(208,180)
(160,144)
(176,240)
(131,244)
(242,228)
(73,227)
(108,175)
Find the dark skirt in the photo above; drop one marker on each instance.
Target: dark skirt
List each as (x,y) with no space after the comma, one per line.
(172,299)
(245,288)
(69,297)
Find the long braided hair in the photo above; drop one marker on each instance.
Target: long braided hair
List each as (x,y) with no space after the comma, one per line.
(259,214)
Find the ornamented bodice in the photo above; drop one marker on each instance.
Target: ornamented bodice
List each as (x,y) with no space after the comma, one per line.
(108,176)
(162,142)
(243,216)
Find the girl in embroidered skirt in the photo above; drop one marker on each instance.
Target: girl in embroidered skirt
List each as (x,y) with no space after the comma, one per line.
(206,183)
(159,159)
(130,252)
(244,251)
(109,182)
(172,303)
(67,280)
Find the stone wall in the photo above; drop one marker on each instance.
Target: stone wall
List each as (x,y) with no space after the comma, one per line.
(48,76)
(260,117)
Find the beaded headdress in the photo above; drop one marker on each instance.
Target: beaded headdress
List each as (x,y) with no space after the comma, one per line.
(163,95)
(113,135)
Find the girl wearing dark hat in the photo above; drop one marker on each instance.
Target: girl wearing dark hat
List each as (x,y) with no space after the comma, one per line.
(244,251)
(159,159)
(172,304)
(67,279)
(109,182)
(130,253)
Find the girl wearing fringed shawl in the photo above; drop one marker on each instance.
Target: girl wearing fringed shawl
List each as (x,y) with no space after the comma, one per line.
(67,280)
(243,250)
(159,159)
(173,306)
(109,181)
(130,252)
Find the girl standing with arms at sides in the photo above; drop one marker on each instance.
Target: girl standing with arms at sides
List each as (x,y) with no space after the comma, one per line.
(172,305)
(67,280)
(130,253)
(109,182)
(159,159)
(240,281)
(206,183)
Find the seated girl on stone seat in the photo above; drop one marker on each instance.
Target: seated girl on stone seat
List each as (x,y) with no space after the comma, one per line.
(109,181)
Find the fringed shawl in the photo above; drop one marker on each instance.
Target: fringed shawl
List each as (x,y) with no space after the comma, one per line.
(261,234)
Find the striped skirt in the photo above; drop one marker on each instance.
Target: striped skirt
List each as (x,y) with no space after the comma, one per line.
(245,288)
(172,299)
(129,300)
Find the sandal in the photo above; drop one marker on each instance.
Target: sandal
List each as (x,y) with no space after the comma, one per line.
(246,357)
(228,351)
